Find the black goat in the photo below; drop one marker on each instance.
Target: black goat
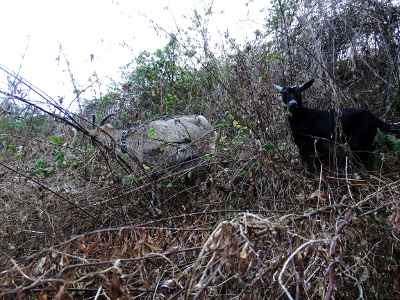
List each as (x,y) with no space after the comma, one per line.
(357,128)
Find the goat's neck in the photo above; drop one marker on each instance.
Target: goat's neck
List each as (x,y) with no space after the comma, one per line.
(298,112)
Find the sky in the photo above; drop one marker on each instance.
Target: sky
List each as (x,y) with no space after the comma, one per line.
(33,32)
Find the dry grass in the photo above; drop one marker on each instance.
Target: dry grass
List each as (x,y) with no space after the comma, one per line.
(252,229)
(248,225)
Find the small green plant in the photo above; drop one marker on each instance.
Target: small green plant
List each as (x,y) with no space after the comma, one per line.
(128,180)
(151,132)
(386,142)
(8,146)
(47,172)
(229,116)
(54,140)
(207,157)
(268,147)
(59,157)
(222,126)
(61,160)
(383,143)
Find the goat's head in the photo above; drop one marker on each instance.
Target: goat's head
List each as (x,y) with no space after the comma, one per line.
(291,95)
(103,126)
(104,131)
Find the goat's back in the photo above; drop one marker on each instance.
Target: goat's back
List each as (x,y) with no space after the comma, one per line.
(307,122)
(355,118)
(174,140)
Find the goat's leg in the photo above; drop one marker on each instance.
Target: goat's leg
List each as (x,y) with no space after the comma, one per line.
(307,159)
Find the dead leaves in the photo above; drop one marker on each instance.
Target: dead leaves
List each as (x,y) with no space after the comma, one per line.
(168,288)
(318,195)
(249,252)
(63,295)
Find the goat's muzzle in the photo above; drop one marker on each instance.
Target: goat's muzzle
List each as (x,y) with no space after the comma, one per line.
(292,104)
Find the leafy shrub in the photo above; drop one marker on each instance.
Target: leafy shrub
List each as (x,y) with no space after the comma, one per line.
(384,143)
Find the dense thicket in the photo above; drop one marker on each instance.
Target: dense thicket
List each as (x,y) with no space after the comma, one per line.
(246,223)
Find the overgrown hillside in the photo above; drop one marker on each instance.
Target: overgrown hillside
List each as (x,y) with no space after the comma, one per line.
(82,222)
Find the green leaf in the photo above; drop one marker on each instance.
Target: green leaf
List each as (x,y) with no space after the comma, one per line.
(12,148)
(132,177)
(4,141)
(39,163)
(36,172)
(222,126)
(59,156)
(230,117)
(54,140)
(48,171)
(151,132)
(75,165)
(268,147)
(207,156)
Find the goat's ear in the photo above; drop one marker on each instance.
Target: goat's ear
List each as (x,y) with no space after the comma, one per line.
(278,88)
(306,85)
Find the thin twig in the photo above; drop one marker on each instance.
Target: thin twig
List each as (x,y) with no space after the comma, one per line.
(335,244)
(289,260)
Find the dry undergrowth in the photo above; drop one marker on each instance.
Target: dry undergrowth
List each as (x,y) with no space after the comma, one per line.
(252,229)
(76,223)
